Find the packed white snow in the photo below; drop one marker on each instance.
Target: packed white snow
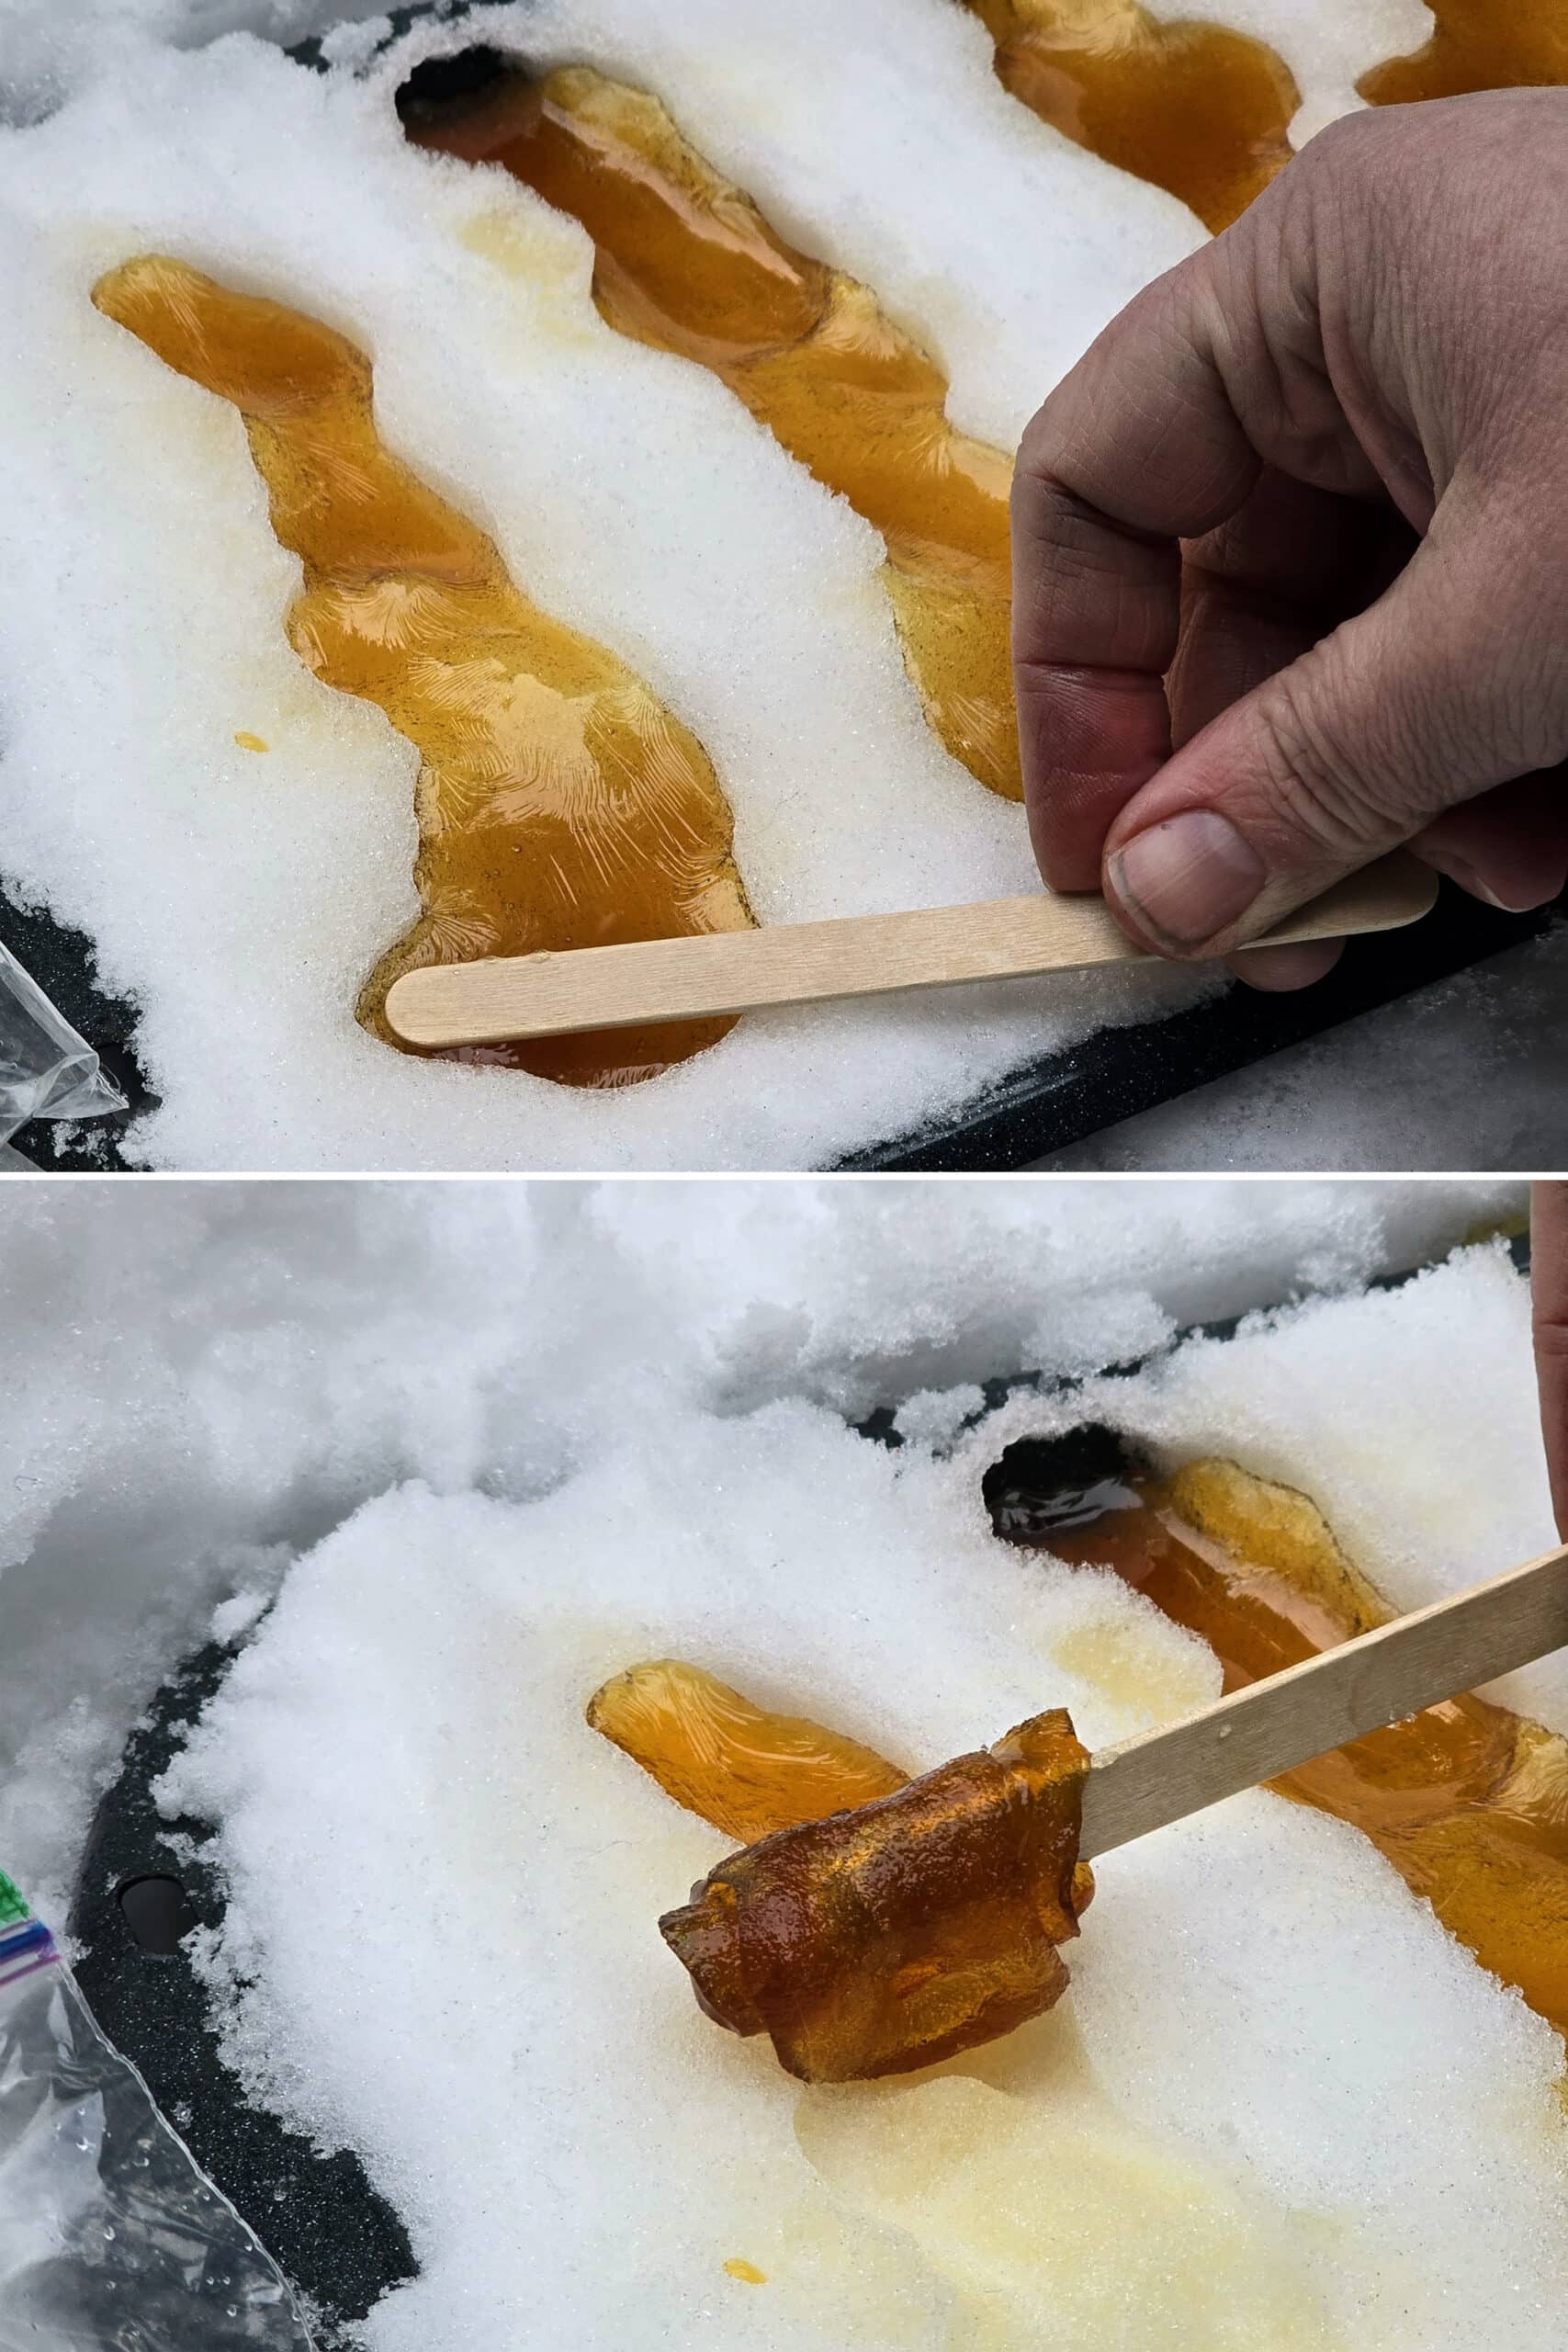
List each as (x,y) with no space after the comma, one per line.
(487,1444)
(239,898)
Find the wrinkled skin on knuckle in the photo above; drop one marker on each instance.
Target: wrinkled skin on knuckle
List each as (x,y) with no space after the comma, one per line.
(1081,574)
(1305,790)
(1400,291)
(1529,713)
(1521,660)
(1472,219)
(1506,646)
(1130,374)
(1279,285)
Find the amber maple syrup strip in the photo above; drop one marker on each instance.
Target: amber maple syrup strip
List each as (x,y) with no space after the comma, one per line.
(1204,111)
(747,1769)
(1195,109)
(560,805)
(1477,45)
(1468,1800)
(743,1767)
(685,261)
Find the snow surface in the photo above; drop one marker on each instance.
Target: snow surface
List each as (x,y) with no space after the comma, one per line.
(486,1444)
(239,902)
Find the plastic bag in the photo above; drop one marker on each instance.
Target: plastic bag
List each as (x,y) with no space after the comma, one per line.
(47,1071)
(112,2239)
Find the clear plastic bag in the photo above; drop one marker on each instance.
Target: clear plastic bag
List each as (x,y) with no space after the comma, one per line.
(47,1071)
(112,2239)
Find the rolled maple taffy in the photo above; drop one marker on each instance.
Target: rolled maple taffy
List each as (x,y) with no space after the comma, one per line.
(906,1930)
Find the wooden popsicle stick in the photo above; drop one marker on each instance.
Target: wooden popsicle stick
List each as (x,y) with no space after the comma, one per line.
(1342,1694)
(553,995)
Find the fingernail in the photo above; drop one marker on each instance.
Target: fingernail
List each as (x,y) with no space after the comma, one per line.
(1459,870)
(1186,878)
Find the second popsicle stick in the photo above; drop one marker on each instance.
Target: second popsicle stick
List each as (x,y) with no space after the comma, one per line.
(554,995)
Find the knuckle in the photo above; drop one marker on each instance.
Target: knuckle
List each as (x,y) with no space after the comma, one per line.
(1039,453)
(1311,782)
(1348,134)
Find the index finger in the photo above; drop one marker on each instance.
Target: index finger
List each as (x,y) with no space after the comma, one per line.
(1138,449)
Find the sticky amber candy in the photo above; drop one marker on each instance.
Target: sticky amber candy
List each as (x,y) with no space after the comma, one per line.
(903,1932)
(897,1953)
(1204,111)
(1195,109)
(685,261)
(1467,1800)
(1477,45)
(738,1765)
(560,805)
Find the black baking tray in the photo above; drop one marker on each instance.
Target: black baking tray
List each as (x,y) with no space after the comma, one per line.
(339,2243)
(1042,1107)
(1039,1108)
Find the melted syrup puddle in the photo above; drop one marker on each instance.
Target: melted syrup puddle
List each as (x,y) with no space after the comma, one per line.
(685,261)
(560,805)
(1468,1800)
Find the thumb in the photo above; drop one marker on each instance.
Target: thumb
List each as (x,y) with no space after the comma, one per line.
(1440,690)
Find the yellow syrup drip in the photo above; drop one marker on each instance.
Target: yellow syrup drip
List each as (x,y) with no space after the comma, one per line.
(685,261)
(560,805)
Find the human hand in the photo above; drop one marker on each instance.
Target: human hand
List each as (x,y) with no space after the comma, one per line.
(1291,546)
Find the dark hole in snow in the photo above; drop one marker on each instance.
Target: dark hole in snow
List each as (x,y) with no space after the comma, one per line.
(438,79)
(1040,1483)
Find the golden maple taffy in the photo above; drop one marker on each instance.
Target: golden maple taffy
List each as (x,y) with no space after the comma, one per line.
(923,1924)
(560,804)
(744,1768)
(1477,45)
(684,260)
(1193,108)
